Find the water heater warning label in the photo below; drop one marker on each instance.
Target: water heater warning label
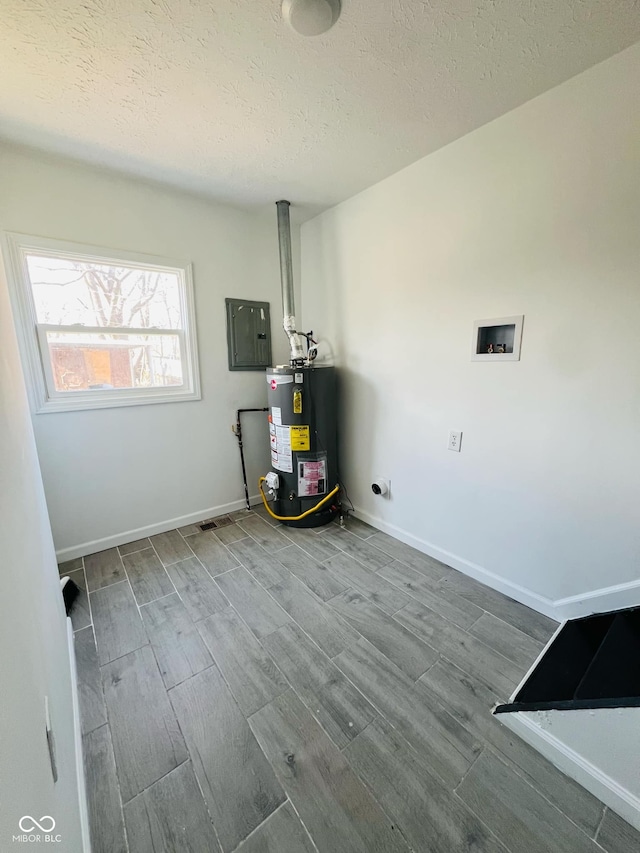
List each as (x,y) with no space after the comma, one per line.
(281,458)
(312,478)
(300,438)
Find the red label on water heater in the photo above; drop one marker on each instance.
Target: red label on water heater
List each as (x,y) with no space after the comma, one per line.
(274,384)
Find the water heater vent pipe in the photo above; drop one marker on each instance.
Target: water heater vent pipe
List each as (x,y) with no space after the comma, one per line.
(286,276)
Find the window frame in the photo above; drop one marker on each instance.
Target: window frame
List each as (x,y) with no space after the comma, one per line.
(41,389)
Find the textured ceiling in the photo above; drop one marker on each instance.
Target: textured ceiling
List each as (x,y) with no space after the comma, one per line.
(222,98)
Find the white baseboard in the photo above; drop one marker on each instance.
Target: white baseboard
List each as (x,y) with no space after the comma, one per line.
(600,600)
(513,590)
(597,601)
(603,600)
(126,536)
(574,765)
(77,736)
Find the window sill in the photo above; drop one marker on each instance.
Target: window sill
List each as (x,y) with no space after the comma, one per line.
(108,401)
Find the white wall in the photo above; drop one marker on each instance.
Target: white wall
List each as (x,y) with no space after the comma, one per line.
(115,474)
(605,737)
(33,635)
(598,748)
(536,213)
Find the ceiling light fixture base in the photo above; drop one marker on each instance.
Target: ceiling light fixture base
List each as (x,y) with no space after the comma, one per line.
(311,17)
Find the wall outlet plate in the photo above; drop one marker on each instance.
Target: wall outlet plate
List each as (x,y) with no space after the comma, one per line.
(455,440)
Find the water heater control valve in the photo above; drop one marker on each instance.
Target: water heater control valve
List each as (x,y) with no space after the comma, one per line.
(273,482)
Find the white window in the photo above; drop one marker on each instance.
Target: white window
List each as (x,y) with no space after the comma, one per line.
(102,328)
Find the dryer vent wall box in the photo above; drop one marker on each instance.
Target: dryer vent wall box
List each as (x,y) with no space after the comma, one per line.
(248,334)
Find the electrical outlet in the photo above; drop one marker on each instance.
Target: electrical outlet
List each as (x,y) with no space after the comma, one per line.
(455,440)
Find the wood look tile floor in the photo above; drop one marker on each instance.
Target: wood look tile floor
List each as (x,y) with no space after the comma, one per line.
(268,690)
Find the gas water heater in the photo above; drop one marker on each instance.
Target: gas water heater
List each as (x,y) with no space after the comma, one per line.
(302,400)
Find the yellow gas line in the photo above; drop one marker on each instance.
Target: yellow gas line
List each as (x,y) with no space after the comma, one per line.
(293,517)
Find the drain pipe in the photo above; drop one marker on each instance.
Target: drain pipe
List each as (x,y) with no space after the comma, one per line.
(286,276)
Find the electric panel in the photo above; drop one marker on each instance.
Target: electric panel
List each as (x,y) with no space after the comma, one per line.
(248,334)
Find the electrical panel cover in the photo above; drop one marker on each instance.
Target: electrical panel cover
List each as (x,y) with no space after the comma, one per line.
(248,334)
